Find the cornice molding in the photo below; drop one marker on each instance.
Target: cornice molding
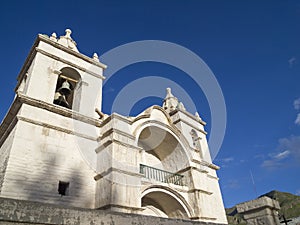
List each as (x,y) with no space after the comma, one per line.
(57,128)
(57,109)
(116,131)
(39,50)
(112,169)
(200,190)
(114,141)
(46,39)
(191,125)
(187,114)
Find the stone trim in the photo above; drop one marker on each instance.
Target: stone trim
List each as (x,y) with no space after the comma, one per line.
(6,130)
(196,161)
(112,169)
(187,114)
(109,142)
(46,39)
(210,165)
(174,129)
(203,218)
(105,207)
(213,166)
(58,109)
(47,125)
(148,113)
(212,177)
(26,65)
(103,146)
(68,63)
(115,116)
(203,163)
(191,125)
(200,190)
(117,131)
(195,150)
(180,189)
(192,168)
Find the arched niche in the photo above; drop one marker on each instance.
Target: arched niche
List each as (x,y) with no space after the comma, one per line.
(162,148)
(68,89)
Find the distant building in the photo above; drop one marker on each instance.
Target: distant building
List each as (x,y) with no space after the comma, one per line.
(58,147)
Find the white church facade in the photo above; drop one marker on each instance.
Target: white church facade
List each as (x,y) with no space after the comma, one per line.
(58,147)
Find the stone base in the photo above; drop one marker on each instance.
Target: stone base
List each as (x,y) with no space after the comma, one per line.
(17,212)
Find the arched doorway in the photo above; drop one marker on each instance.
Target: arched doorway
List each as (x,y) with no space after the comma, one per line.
(164,203)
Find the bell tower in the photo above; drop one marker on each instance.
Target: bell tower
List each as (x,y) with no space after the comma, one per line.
(41,153)
(55,72)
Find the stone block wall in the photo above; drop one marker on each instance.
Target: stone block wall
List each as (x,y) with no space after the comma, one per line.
(17,212)
(36,166)
(4,155)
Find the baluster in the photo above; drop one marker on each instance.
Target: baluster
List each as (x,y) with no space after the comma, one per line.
(147,172)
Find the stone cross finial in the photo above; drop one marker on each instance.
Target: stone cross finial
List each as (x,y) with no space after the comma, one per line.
(53,37)
(67,41)
(68,33)
(169,93)
(197,116)
(96,57)
(170,101)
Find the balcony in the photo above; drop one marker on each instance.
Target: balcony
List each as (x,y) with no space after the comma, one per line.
(161,175)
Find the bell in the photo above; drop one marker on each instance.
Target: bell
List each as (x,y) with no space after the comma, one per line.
(65,88)
(60,99)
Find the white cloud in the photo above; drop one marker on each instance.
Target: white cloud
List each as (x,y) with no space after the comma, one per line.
(259,156)
(232,184)
(298,192)
(271,164)
(275,160)
(292,61)
(297,104)
(110,89)
(297,121)
(291,143)
(282,155)
(226,160)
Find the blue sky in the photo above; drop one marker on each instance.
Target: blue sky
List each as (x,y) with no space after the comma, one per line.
(252,47)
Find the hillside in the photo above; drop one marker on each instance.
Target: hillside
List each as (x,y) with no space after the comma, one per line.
(289,203)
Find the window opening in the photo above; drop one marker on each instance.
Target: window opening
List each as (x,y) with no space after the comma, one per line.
(63,188)
(64,92)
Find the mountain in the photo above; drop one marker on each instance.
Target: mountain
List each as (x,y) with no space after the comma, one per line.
(289,203)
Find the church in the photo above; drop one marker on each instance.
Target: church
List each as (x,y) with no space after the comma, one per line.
(58,147)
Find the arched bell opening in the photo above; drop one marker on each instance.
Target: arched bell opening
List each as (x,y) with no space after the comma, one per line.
(163,155)
(67,89)
(162,203)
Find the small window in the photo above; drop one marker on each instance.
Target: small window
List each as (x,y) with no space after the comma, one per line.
(63,188)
